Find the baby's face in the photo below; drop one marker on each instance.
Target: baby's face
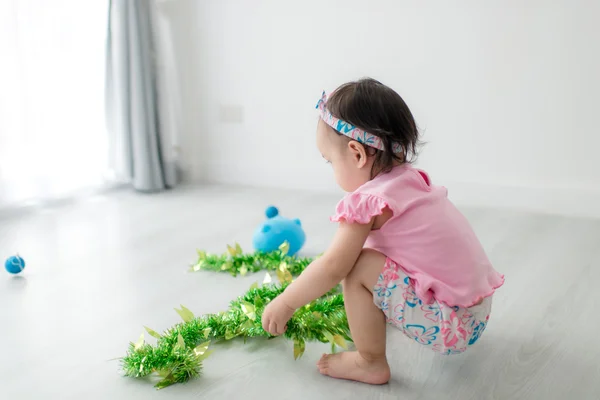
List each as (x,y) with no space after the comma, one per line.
(348,158)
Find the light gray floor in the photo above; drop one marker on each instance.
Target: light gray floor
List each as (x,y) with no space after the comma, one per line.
(101,269)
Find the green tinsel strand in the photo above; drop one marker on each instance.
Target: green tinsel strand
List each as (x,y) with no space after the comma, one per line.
(177,358)
(235,262)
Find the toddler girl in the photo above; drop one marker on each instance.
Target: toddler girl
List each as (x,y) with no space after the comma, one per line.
(404,254)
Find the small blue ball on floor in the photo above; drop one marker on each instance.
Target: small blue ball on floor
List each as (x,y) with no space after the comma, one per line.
(14,264)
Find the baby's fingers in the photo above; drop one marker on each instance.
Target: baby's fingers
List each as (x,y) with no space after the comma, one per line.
(282,329)
(265,323)
(273,328)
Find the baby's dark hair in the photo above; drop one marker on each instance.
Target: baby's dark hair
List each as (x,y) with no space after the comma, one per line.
(374,107)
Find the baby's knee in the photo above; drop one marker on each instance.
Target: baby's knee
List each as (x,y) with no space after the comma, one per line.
(350,280)
(366,269)
(353,277)
(370,258)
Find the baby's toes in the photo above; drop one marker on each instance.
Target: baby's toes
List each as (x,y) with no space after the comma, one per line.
(322,360)
(323,368)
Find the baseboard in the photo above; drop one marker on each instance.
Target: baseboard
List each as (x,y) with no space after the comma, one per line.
(571,201)
(581,202)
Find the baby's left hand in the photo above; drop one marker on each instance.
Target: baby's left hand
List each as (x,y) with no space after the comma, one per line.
(276,316)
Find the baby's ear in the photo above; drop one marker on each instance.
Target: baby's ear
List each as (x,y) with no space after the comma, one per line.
(265,228)
(359,152)
(297,221)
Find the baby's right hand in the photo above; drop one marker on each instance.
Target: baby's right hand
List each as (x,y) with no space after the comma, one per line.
(276,316)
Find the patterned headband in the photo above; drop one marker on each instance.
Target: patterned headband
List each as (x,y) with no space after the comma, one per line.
(347,129)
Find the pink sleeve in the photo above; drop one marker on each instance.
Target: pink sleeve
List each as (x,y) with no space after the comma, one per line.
(358,207)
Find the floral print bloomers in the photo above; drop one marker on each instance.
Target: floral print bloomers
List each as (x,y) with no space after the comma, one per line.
(445,329)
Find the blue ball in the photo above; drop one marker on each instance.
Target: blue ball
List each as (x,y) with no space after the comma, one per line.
(14,264)
(271,212)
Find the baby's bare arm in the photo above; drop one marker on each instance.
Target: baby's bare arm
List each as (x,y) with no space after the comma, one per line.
(331,268)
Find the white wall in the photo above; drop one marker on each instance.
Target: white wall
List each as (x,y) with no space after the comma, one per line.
(507,94)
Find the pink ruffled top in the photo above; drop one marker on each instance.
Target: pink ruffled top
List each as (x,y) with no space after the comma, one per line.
(427,236)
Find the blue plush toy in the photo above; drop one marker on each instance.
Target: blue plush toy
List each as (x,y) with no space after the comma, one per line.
(275,230)
(14,264)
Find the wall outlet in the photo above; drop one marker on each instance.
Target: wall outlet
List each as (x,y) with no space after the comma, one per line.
(231,114)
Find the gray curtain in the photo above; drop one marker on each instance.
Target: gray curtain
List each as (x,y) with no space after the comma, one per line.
(133,108)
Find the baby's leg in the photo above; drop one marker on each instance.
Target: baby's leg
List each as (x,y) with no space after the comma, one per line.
(367,325)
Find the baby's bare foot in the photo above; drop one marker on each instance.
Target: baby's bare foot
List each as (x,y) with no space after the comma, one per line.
(351,365)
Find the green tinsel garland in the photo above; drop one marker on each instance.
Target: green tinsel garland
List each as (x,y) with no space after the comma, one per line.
(235,262)
(179,351)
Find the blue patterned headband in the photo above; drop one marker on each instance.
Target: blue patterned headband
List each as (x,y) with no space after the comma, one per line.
(347,129)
